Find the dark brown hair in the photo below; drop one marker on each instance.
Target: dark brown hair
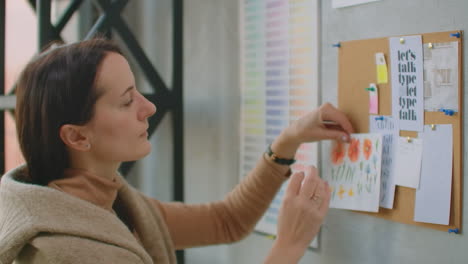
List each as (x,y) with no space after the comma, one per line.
(57,87)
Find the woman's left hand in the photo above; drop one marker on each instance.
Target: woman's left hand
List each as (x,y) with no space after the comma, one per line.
(302,212)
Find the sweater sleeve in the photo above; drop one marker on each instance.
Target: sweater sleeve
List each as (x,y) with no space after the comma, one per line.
(230,219)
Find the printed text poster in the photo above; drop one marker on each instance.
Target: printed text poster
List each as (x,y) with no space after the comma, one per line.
(407,82)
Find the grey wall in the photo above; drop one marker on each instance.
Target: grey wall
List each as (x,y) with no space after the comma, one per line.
(151,23)
(212,113)
(212,101)
(354,238)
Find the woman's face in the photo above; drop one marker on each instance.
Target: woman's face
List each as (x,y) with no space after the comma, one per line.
(118,130)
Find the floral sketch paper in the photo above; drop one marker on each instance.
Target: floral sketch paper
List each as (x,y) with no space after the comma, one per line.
(353,172)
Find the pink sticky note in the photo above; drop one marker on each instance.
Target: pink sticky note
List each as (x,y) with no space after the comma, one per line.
(373,99)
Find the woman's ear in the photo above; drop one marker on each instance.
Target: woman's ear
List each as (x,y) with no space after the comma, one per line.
(73,137)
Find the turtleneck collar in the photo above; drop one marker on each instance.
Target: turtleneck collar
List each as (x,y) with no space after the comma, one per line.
(85,185)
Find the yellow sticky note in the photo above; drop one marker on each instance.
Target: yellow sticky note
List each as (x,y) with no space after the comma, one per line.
(382,71)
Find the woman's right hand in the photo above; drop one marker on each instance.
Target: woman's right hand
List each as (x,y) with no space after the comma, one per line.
(303,210)
(313,127)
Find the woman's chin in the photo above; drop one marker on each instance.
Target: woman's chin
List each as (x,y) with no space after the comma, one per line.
(142,152)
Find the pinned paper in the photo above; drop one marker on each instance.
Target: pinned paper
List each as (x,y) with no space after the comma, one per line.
(441,76)
(388,127)
(406,59)
(432,204)
(353,172)
(373,99)
(382,71)
(408,162)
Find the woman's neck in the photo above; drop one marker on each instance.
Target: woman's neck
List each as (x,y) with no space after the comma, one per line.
(99,168)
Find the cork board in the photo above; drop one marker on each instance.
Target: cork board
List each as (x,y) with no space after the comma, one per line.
(356,70)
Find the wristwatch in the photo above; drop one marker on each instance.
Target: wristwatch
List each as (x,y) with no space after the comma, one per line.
(277,159)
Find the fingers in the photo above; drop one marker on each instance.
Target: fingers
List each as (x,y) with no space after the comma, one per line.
(310,183)
(316,190)
(319,193)
(326,200)
(329,112)
(336,135)
(295,183)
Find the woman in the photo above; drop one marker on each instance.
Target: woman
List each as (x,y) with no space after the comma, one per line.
(79,115)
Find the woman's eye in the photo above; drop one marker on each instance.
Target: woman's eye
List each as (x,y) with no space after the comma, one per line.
(129,103)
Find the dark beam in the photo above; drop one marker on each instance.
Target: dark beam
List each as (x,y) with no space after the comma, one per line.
(55,31)
(178,110)
(67,15)
(2,85)
(44,27)
(33,4)
(106,20)
(12,89)
(177,95)
(101,26)
(112,16)
(145,64)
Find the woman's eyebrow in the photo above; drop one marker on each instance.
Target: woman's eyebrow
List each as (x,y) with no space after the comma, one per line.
(127,90)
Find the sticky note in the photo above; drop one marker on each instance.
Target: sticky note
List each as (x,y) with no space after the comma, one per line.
(373,99)
(382,71)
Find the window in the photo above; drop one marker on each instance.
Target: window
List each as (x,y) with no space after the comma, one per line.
(20,46)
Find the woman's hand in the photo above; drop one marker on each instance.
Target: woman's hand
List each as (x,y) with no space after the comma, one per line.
(303,210)
(313,126)
(326,122)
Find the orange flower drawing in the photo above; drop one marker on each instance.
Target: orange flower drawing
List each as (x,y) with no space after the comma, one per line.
(353,150)
(338,153)
(367,148)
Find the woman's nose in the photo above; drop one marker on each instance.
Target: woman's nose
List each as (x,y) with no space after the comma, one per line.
(148,109)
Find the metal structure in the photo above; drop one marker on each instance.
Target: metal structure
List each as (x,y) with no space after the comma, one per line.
(167,100)
(2,83)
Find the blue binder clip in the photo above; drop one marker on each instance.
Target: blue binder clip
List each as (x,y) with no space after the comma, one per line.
(381,118)
(457,35)
(448,112)
(454,230)
(337,45)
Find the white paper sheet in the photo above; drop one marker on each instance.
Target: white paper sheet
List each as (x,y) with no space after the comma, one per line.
(407,82)
(344,3)
(408,162)
(441,76)
(353,172)
(389,130)
(432,203)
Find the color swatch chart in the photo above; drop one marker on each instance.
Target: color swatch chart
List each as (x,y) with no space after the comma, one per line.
(279,79)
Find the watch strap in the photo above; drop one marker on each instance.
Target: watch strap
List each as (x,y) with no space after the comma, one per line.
(277,159)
